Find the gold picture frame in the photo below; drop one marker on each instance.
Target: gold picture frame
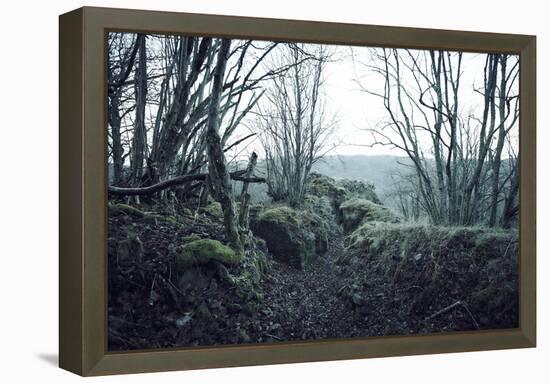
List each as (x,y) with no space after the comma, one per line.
(83,191)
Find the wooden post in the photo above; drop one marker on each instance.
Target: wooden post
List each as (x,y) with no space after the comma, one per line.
(245,197)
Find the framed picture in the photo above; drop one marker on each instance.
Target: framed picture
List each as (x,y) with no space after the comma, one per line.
(242,191)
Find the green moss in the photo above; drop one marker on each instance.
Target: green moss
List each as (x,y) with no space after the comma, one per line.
(187,212)
(320,185)
(214,209)
(254,211)
(280,215)
(154,219)
(319,225)
(203,251)
(325,187)
(123,209)
(357,211)
(359,189)
(192,237)
(319,205)
(171,219)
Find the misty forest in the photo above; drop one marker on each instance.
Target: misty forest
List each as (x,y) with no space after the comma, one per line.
(271,191)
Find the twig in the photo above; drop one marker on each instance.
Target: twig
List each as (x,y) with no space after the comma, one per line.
(471,315)
(444,310)
(274,337)
(450,307)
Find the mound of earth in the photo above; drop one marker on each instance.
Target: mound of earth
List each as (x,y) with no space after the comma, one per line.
(423,278)
(173,282)
(357,211)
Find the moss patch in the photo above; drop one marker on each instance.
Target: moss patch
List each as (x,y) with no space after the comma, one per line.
(123,209)
(359,189)
(357,211)
(204,251)
(214,209)
(281,215)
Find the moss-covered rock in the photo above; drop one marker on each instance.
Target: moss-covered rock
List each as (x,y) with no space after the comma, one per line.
(281,215)
(321,186)
(321,223)
(286,234)
(357,211)
(204,251)
(359,189)
(319,205)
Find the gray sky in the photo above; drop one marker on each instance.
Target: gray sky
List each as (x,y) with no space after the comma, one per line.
(358,111)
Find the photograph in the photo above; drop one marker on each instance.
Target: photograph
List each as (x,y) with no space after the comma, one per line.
(282,191)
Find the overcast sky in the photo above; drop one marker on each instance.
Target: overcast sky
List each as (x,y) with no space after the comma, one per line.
(358,111)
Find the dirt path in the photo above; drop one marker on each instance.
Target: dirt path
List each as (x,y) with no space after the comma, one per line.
(303,304)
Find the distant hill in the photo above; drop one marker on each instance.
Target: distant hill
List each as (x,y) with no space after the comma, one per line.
(377,170)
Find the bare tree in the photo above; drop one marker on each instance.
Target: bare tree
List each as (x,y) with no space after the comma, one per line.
(453,154)
(122,54)
(159,100)
(139,140)
(293,122)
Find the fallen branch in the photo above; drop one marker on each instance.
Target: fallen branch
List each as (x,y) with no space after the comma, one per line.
(444,310)
(238,175)
(274,337)
(450,307)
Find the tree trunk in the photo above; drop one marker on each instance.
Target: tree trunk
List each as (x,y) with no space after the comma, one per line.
(118,150)
(140,133)
(511,203)
(219,176)
(495,191)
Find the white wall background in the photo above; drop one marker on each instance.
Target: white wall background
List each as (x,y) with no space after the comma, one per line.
(28,188)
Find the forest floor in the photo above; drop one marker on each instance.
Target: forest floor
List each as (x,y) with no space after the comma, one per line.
(386,279)
(304,304)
